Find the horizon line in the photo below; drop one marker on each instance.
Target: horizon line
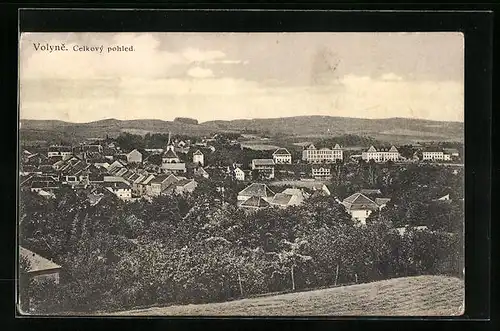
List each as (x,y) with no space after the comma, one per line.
(240,119)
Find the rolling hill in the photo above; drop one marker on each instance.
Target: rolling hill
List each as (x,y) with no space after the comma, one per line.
(397,130)
(409,296)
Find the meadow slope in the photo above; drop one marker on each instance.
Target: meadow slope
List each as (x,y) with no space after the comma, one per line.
(409,296)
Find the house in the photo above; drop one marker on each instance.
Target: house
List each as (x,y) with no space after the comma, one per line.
(434,154)
(254,203)
(239,174)
(200,172)
(40,267)
(368,191)
(160,183)
(235,172)
(46,194)
(282,156)
(381,154)
(134,157)
(175,168)
(443,198)
(120,189)
(62,151)
(140,185)
(265,167)
(170,156)
(453,152)
(198,158)
(255,190)
(182,186)
(359,206)
(94,198)
(319,171)
(45,185)
(289,197)
(311,154)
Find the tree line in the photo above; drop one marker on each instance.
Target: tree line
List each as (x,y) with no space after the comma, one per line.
(201,248)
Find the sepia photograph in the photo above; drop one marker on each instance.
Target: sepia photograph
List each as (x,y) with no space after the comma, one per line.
(241,174)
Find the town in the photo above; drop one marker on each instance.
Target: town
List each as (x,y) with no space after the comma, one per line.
(218,174)
(100,167)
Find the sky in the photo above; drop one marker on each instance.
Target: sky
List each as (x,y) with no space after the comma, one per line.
(224,76)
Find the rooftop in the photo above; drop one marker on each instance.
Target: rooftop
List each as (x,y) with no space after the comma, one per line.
(255,202)
(281,199)
(281,151)
(359,201)
(263,162)
(257,189)
(37,262)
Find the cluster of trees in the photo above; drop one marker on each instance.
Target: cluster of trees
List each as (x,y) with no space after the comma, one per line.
(186,120)
(202,248)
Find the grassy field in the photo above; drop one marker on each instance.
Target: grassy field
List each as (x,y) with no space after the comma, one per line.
(410,296)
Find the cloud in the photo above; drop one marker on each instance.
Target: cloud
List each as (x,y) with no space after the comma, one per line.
(198,72)
(391,76)
(147,60)
(227,98)
(196,55)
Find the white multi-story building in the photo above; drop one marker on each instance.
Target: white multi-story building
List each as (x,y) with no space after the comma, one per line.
(435,155)
(313,155)
(320,171)
(381,154)
(282,156)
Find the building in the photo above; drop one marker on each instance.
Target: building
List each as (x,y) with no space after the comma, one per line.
(235,172)
(323,155)
(381,154)
(239,174)
(45,185)
(452,151)
(170,156)
(198,158)
(134,157)
(40,267)
(432,154)
(63,151)
(282,156)
(289,197)
(265,167)
(121,189)
(141,184)
(160,183)
(175,168)
(319,171)
(359,206)
(182,186)
(200,172)
(254,203)
(255,190)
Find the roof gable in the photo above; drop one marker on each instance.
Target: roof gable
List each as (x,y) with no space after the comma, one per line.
(257,189)
(282,151)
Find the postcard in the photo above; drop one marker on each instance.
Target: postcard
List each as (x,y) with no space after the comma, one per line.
(241,174)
